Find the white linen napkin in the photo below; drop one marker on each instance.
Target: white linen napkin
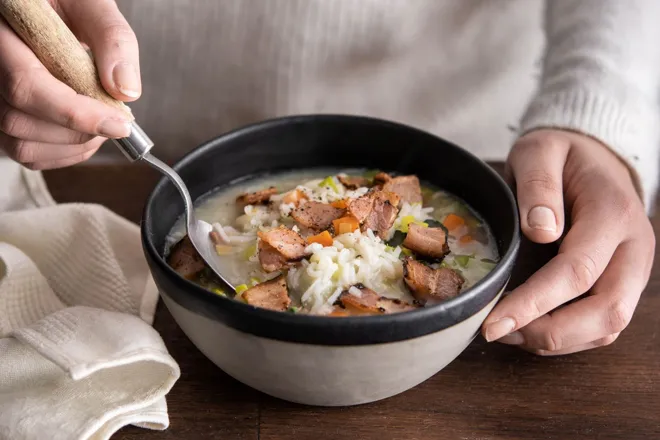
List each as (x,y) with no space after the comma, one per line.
(78,356)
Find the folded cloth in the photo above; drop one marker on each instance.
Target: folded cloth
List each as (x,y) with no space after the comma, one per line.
(79,358)
(21,188)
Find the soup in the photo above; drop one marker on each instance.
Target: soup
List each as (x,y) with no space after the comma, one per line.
(338,243)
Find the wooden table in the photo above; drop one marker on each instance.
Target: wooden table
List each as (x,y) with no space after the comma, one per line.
(490,392)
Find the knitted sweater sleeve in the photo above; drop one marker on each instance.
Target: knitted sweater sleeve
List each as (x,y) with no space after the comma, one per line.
(601,75)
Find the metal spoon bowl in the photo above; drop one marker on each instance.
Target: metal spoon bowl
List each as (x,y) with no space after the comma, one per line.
(198,230)
(137,147)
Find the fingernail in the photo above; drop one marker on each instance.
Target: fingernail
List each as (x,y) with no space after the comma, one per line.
(115,128)
(542,218)
(515,338)
(126,79)
(499,328)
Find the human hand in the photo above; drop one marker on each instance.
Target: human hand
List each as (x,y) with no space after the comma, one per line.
(607,251)
(43,122)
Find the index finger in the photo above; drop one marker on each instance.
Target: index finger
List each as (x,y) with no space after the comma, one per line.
(26,85)
(582,258)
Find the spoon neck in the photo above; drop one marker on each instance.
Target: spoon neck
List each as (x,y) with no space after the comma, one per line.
(176,180)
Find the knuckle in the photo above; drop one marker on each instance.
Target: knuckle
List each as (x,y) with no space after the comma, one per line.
(118,32)
(17,88)
(554,142)
(550,341)
(71,118)
(22,153)
(81,138)
(530,310)
(13,123)
(540,179)
(583,272)
(619,315)
(540,141)
(626,207)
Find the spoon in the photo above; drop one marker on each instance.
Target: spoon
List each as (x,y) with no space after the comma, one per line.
(138,147)
(61,53)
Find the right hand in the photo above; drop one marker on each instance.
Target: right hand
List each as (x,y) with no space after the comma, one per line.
(43,122)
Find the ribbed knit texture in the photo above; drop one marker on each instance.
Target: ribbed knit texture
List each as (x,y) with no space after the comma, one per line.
(601,76)
(477,73)
(449,66)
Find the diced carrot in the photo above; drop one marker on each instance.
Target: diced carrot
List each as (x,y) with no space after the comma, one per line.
(453,221)
(338,312)
(294,196)
(345,225)
(465,239)
(339,204)
(216,238)
(324,238)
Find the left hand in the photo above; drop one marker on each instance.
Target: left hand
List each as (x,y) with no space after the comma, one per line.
(608,250)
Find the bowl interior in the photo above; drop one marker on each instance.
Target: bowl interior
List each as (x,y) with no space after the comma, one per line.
(324,141)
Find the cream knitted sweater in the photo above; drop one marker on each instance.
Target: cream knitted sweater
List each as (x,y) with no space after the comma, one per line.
(477,72)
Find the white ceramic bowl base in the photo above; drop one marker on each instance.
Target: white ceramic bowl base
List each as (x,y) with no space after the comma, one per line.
(326,375)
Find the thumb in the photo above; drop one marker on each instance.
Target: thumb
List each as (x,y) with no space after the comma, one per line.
(100,24)
(537,163)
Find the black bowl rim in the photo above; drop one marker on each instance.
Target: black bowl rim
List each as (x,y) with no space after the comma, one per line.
(314,323)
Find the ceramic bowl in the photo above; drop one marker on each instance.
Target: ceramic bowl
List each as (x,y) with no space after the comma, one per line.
(319,360)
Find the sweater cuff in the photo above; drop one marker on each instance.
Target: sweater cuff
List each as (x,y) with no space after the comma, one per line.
(629,129)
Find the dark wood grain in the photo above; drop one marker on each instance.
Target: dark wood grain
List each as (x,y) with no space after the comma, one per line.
(490,392)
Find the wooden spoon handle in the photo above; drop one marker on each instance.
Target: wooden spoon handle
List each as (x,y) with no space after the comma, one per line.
(39,26)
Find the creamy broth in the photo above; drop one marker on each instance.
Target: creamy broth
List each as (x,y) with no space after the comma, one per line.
(340,267)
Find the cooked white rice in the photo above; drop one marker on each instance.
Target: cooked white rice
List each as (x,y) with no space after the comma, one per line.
(354,258)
